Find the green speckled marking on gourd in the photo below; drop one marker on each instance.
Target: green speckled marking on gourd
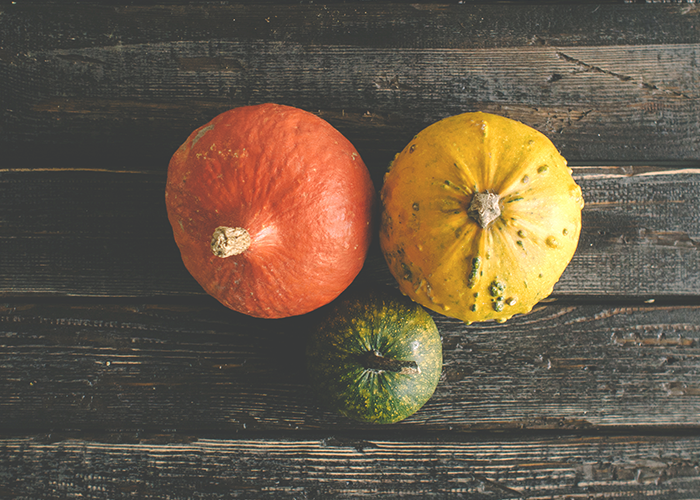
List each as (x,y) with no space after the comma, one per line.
(474,274)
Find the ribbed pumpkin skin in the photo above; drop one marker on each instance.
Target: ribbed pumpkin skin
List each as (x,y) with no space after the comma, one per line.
(389,325)
(440,256)
(296,185)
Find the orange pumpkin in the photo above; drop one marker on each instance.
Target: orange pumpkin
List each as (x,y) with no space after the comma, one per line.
(271,208)
(480,217)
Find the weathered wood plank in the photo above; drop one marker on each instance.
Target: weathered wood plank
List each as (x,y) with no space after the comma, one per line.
(125,85)
(628,467)
(141,396)
(370,24)
(85,366)
(641,233)
(105,233)
(97,232)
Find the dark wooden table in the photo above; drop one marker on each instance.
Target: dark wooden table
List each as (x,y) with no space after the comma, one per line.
(120,378)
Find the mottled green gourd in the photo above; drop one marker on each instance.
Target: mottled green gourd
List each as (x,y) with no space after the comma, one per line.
(375,357)
(480,217)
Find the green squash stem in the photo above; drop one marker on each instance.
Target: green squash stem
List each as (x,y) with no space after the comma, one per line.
(372,360)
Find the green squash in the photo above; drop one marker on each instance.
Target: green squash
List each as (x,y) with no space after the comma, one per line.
(375,357)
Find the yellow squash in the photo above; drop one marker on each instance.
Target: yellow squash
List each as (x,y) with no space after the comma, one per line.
(480,217)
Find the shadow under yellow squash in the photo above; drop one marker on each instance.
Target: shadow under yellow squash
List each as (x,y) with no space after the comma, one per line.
(480,217)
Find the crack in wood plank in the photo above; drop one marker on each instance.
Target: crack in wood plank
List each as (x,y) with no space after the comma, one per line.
(584,67)
(358,445)
(497,485)
(629,171)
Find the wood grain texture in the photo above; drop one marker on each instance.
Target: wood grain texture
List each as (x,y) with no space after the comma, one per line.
(630,467)
(170,367)
(120,378)
(105,233)
(126,85)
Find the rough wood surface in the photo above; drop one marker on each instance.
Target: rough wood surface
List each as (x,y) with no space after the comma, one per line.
(603,467)
(120,378)
(126,84)
(90,232)
(160,367)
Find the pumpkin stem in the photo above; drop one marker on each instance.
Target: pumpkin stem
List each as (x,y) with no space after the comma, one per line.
(228,241)
(372,360)
(485,208)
